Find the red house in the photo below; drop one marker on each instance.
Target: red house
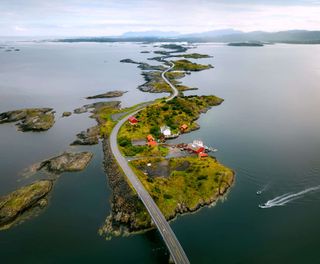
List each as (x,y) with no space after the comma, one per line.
(200,150)
(203,155)
(133,120)
(152,143)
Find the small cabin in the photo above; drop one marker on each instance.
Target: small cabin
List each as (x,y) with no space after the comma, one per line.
(202,155)
(150,138)
(152,143)
(184,128)
(200,150)
(133,120)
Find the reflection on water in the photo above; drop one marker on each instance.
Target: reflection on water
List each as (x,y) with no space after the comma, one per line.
(267,130)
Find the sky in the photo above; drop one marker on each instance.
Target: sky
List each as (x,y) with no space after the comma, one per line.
(114,17)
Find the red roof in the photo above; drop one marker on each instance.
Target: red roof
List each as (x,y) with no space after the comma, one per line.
(152,143)
(203,155)
(150,138)
(133,120)
(184,127)
(199,150)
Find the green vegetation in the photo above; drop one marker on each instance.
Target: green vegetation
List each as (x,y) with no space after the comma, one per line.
(192,182)
(180,110)
(194,56)
(174,76)
(154,83)
(174,47)
(185,65)
(16,204)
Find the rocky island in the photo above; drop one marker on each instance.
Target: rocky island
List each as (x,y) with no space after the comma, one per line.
(14,206)
(31,119)
(110,94)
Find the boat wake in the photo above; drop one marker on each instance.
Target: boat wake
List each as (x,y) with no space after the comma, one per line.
(288,197)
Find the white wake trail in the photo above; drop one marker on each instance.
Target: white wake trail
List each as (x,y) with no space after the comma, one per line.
(286,198)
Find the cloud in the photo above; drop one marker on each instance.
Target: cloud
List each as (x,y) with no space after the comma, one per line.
(112,17)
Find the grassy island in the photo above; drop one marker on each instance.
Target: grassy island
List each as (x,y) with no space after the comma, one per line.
(183,184)
(180,110)
(185,65)
(194,56)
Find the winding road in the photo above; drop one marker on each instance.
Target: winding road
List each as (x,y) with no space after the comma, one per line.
(177,253)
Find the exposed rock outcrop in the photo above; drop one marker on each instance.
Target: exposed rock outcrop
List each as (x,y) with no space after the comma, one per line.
(88,137)
(14,205)
(32,119)
(110,94)
(67,162)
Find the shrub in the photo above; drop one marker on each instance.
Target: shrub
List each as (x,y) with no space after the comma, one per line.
(202,177)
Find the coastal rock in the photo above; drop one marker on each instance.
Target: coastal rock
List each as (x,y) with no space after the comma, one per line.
(20,201)
(108,95)
(88,137)
(96,106)
(66,114)
(32,119)
(67,162)
(80,110)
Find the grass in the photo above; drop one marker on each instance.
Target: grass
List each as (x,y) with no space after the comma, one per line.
(180,110)
(185,65)
(194,56)
(201,182)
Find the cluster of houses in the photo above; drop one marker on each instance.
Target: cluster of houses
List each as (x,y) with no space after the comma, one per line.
(196,146)
(165,131)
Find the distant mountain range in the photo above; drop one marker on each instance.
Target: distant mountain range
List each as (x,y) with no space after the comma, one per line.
(223,35)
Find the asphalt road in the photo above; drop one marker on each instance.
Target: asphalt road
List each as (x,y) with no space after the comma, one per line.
(176,250)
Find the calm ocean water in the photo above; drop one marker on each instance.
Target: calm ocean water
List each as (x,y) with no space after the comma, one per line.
(267,130)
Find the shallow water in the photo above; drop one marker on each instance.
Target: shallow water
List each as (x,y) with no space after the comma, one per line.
(267,130)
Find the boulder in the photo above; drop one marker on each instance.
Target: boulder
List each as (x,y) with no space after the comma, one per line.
(67,162)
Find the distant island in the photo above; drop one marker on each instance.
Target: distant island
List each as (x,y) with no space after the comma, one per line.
(245,44)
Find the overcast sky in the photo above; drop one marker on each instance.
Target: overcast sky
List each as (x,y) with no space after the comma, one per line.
(113,17)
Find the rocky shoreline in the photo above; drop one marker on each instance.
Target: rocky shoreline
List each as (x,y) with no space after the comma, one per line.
(125,204)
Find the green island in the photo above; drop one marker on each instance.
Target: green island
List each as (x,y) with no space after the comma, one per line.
(186,65)
(174,113)
(14,205)
(184,184)
(194,56)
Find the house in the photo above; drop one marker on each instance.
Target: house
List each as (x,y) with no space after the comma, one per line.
(196,146)
(133,120)
(183,128)
(200,150)
(202,155)
(150,138)
(166,131)
(152,143)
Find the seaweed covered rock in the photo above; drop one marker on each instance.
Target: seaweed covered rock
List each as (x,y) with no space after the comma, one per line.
(17,203)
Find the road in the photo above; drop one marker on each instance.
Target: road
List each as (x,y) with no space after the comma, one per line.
(176,250)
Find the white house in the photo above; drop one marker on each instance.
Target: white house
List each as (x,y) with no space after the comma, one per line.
(198,143)
(166,131)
